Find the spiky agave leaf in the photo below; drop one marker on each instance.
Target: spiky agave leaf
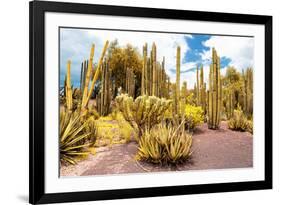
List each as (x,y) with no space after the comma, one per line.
(73,135)
(165,144)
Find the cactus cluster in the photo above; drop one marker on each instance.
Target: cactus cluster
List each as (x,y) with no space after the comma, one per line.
(93,76)
(104,98)
(70,97)
(160,120)
(143,112)
(214,92)
(153,78)
(148,108)
(240,93)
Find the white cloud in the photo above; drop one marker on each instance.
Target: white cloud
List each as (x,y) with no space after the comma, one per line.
(239,49)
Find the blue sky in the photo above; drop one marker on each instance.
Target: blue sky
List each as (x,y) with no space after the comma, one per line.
(197,47)
(75,45)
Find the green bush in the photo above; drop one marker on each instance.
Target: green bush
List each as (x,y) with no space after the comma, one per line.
(240,122)
(194,115)
(165,144)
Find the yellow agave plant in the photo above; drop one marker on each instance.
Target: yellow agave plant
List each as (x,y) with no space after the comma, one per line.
(165,144)
(73,137)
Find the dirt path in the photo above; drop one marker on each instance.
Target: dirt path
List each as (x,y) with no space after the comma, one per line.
(212,149)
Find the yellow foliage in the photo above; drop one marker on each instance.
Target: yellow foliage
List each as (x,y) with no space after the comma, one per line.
(126,131)
(113,131)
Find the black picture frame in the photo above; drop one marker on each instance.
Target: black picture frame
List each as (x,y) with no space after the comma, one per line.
(37,9)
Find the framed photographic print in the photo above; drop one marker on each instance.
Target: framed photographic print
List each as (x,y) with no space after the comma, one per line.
(140,102)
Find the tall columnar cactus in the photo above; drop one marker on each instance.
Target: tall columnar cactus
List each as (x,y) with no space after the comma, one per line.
(204,98)
(150,67)
(168,87)
(148,77)
(230,104)
(153,78)
(149,74)
(82,76)
(144,72)
(154,69)
(64,86)
(248,87)
(130,82)
(68,89)
(158,79)
(201,87)
(88,75)
(84,67)
(184,92)
(177,93)
(164,80)
(197,87)
(202,91)
(214,105)
(87,93)
(104,96)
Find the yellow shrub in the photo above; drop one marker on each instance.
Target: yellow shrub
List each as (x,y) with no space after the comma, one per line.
(193,116)
(125,130)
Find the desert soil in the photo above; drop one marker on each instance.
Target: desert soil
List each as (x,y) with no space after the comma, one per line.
(212,149)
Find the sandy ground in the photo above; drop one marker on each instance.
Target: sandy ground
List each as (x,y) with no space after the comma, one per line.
(212,149)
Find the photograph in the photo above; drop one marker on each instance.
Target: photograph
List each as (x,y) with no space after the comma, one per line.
(137,101)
